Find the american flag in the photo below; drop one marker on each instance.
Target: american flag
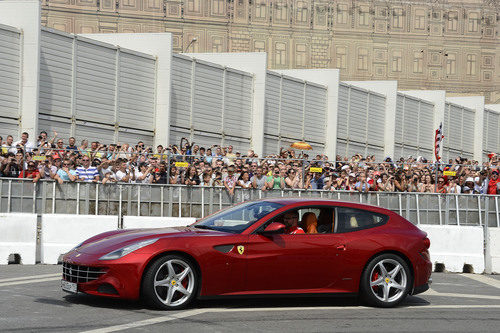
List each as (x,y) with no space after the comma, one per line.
(437,141)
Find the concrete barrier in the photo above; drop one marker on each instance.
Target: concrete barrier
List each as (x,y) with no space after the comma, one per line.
(131,222)
(18,236)
(61,232)
(493,251)
(456,246)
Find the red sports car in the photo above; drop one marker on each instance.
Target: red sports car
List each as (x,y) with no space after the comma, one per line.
(266,247)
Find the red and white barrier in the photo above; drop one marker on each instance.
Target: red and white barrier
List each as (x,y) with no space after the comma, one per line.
(60,232)
(18,236)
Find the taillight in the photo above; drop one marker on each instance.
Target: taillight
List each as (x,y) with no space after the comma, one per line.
(427,243)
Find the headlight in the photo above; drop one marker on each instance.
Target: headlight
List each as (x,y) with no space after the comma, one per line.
(127,249)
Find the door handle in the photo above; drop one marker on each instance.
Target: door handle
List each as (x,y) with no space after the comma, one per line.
(341,247)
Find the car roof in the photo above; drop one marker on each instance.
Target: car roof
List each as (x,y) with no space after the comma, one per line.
(319,201)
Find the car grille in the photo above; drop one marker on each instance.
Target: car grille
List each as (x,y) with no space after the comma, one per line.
(81,274)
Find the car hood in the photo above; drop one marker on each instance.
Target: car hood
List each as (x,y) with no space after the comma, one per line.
(121,238)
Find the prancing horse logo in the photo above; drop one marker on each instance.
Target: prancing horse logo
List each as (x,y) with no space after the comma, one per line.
(241,249)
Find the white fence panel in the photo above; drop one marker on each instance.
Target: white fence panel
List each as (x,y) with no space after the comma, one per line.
(180,112)
(136,98)
(95,82)
(132,222)
(208,98)
(56,74)
(10,69)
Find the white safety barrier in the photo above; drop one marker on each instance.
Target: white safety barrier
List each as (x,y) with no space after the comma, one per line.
(131,222)
(18,236)
(493,251)
(456,246)
(61,232)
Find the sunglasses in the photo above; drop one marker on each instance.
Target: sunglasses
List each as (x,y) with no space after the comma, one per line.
(66,164)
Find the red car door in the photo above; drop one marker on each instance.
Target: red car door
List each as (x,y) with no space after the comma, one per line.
(287,263)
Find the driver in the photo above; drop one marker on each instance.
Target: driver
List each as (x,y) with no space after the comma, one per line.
(291,221)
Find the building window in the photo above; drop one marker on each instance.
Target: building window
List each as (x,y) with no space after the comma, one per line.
(397,18)
(259,46)
(452,24)
(363,59)
(281,11)
(418,62)
(397,61)
(217,44)
(300,55)
(341,57)
(280,54)
(363,16)
(420,19)
(473,25)
(301,11)
(260,9)
(218,7)
(471,64)
(128,3)
(194,6)
(342,14)
(451,64)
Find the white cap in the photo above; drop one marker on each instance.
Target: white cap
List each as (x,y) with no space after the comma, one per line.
(469,179)
(345,167)
(352,175)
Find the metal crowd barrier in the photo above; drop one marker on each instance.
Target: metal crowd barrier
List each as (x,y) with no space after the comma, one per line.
(49,197)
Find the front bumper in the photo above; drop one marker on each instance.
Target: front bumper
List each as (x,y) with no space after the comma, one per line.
(121,277)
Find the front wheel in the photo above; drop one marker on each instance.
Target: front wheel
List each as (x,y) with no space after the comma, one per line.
(170,283)
(386,281)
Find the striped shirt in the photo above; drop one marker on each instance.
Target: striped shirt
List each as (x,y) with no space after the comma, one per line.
(87,175)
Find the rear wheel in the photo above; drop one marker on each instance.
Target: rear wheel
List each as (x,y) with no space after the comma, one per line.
(386,281)
(170,283)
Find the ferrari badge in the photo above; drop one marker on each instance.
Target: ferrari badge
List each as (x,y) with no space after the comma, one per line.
(241,249)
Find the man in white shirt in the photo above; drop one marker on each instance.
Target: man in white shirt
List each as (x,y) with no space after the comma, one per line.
(24,143)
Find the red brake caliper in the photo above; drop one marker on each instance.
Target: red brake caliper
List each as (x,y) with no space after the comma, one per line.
(374,278)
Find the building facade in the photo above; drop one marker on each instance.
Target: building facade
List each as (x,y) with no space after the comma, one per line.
(424,44)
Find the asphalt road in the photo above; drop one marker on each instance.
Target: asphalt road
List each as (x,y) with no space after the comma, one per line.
(31,301)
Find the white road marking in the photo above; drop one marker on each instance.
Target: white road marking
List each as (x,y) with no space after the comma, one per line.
(432,292)
(484,279)
(30,281)
(147,322)
(30,277)
(190,313)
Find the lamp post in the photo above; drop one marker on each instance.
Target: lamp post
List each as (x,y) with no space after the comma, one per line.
(191,42)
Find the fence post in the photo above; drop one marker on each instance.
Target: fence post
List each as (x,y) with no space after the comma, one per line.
(417,205)
(54,198)
(458,212)
(487,254)
(120,224)
(180,201)
(496,211)
(162,200)
(202,202)
(96,198)
(439,210)
(34,198)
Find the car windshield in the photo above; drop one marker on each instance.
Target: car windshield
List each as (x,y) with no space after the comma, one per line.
(237,218)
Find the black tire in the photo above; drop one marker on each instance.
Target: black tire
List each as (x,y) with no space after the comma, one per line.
(166,291)
(381,288)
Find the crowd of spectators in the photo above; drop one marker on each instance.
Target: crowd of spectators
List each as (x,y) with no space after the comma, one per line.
(192,164)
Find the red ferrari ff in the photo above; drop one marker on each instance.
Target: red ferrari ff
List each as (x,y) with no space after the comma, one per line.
(266,247)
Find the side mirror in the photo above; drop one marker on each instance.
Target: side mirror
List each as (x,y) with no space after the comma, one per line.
(273,229)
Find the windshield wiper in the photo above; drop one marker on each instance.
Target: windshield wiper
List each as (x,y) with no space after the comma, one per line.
(202,226)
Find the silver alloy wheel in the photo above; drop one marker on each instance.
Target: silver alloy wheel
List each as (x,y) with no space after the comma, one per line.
(174,282)
(388,280)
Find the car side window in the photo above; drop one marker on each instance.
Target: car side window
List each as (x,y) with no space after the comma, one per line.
(352,219)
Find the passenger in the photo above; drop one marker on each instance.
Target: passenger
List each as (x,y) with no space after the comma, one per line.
(310,223)
(291,221)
